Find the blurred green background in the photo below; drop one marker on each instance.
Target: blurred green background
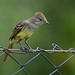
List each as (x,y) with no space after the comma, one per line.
(61,30)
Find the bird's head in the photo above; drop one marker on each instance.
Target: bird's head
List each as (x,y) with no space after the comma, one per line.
(40,18)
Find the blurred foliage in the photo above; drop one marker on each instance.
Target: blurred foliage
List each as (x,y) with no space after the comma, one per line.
(61,30)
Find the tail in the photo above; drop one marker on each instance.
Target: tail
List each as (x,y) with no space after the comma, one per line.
(9,47)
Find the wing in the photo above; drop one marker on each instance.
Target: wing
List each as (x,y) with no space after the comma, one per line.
(18,28)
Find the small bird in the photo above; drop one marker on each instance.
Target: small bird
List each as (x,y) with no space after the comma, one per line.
(24,30)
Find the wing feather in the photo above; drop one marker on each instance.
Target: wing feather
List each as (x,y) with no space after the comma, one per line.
(18,28)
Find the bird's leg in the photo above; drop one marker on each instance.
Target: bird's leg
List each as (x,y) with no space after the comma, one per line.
(23,48)
(28,45)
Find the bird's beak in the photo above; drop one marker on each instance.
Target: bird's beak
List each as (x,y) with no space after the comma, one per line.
(46,22)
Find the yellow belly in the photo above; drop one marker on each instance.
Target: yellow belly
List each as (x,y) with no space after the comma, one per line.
(24,34)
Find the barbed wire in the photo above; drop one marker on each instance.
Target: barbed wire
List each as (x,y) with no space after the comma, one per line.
(40,51)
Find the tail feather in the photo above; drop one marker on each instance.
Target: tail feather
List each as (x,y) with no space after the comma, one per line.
(6,56)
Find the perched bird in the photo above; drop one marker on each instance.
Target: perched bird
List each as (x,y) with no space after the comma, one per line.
(24,30)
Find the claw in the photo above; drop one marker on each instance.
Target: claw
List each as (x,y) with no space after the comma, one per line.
(24,49)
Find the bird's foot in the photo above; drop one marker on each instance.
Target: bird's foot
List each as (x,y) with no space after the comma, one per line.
(24,49)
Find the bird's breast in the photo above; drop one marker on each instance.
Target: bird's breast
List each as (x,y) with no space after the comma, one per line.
(24,34)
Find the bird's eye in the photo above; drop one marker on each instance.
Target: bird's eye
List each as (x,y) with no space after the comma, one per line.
(40,19)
